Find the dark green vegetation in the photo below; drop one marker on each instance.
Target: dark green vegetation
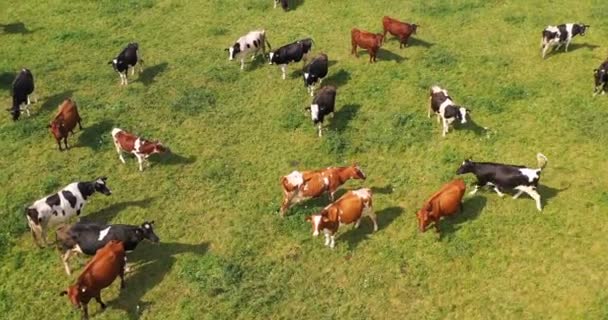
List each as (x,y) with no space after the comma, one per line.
(224,253)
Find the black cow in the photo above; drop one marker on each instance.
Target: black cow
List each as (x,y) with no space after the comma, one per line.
(558,35)
(505,176)
(88,237)
(315,71)
(23,86)
(601,78)
(293,52)
(284,4)
(128,58)
(322,104)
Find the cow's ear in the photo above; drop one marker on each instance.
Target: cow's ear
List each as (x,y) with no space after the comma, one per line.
(152,222)
(308,219)
(110,62)
(595,70)
(468,110)
(226,49)
(63,293)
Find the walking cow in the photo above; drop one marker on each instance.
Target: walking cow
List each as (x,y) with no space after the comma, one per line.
(22,89)
(128,58)
(559,35)
(65,121)
(322,105)
(315,71)
(252,43)
(293,52)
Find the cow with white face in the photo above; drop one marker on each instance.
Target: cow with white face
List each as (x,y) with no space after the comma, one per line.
(252,43)
(447,112)
(323,104)
(601,78)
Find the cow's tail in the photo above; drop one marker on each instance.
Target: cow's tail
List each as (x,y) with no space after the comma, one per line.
(542,160)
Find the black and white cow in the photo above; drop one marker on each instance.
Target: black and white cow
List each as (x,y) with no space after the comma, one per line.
(284,4)
(128,58)
(252,42)
(23,87)
(59,207)
(559,35)
(322,105)
(315,71)
(293,52)
(506,177)
(601,78)
(443,106)
(88,237)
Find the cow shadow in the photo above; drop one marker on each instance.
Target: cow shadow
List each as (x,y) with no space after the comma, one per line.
(52,102)
(108,214)
(388,56)
(294,4)
(171,158)
(147,77)
(573,46)
(354,236)
(471,210)
(547,193)
(149,265)
(387,189)
(6,80)
(15,28)
(343,117)
(93,136)
(338,79)
(472,126)
(418,43)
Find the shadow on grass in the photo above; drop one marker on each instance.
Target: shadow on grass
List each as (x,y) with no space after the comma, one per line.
(547,193)
(92,135)
(149,74)
(106,215)
(354,236)
(337,79)
(387,189)
(343,117)
(418,42)
(471,209)
(472,126)
(388,55)
(52,102)
(292,4)
(6,80)
(171,158)
(149,265)
(572,47)
(15,28)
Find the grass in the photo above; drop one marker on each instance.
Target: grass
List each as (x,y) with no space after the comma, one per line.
(224,252)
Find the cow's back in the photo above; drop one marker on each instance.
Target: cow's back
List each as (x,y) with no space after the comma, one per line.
(448,201)
(349,208)
(104,267)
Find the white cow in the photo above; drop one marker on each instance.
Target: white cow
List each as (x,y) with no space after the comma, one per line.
(249,43)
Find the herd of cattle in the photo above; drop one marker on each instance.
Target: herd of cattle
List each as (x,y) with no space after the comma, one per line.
(108,243)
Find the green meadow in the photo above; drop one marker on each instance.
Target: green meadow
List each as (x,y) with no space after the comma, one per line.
(224,252)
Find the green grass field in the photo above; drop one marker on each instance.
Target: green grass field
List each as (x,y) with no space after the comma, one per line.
(224,252)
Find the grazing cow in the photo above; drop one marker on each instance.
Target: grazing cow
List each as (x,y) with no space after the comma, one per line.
(88,237)
(107,264)
(348,209)
(445,202)
(322,104)
(559,35)
(298,186)
(315,71)
(442,105)
(401,30)
(252,42)
(293,52)
(65,121)
(60,206)
(128,58)
(601,78)
(140,147)
(504,176)
(23,87)
(284,4)
(366,40)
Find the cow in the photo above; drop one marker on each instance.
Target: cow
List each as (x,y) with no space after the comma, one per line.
(140,147)
(559,35)
(301,185)
(99,273)
(59,207)
(447,112)
(322,104)
(315,71)
(366,40)
(88,237)
(293,52)
(351,207)
(505,176)
(401,30)
(284,4)
(601,78)
(445,202)
(129,57)
(22,89)
(252,42)
(65,121)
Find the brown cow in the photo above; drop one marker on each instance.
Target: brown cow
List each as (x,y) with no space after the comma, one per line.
(445,202)
(107,264)
(298,186)
(348,209)
(401,30)
(65,121)
(127,142)
(366,40)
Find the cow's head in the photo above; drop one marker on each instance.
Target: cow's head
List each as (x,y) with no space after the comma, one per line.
(583,28)
(15,112)
(100,186)
(73,292)
(463,114)
(357,172)
(314,113)
(233,51)
(467,166)
(147,230)
(317,221)
(273,57)
(57,128)
(380,38)
(600,76)
(414,28)
(114,63)
(160,148)
(423,217)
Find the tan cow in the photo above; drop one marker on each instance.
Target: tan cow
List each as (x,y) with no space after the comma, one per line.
(65,121)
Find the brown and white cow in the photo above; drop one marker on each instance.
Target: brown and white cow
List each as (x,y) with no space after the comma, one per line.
(65,121)
(140,147)
(107,264)
(301,185)
(351,207)
(401,30)
(445,202)
(366,40)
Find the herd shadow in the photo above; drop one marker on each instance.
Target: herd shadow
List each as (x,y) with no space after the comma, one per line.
(388,55)
(547,193)
(343,117)
(52,102)
(92,135)
(107,214)
(354,236)
(572,47)
(171,158)
(387,189)
(147,77)
(15,28)
(6,80)
(418,43)
(338,79)
(471,209)
(472,126)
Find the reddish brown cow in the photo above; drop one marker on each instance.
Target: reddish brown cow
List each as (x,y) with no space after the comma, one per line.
(107,264)
(366,40)
(298,186)
(65,121)
(401,30)
(445,202)
(348,209)
(140,147)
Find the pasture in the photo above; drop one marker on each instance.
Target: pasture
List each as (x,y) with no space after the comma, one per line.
(224,251)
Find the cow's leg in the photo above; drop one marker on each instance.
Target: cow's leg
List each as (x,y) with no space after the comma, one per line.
(312,90)
(121,274)
(354,50)
(476,188)
(567,44)
(357,223)
(133,70)
(430,107)
(85,311)
(545,50)
(320,127)
(287,197)
(519,192)
(284,70)
(275,4)
(65,141)
(242,63)
(140,159)
(374,218)
(332,241)
(531,191)
(98,299)
(65,258)
(327,240)
(43,235)
(445,126)
(500,194)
